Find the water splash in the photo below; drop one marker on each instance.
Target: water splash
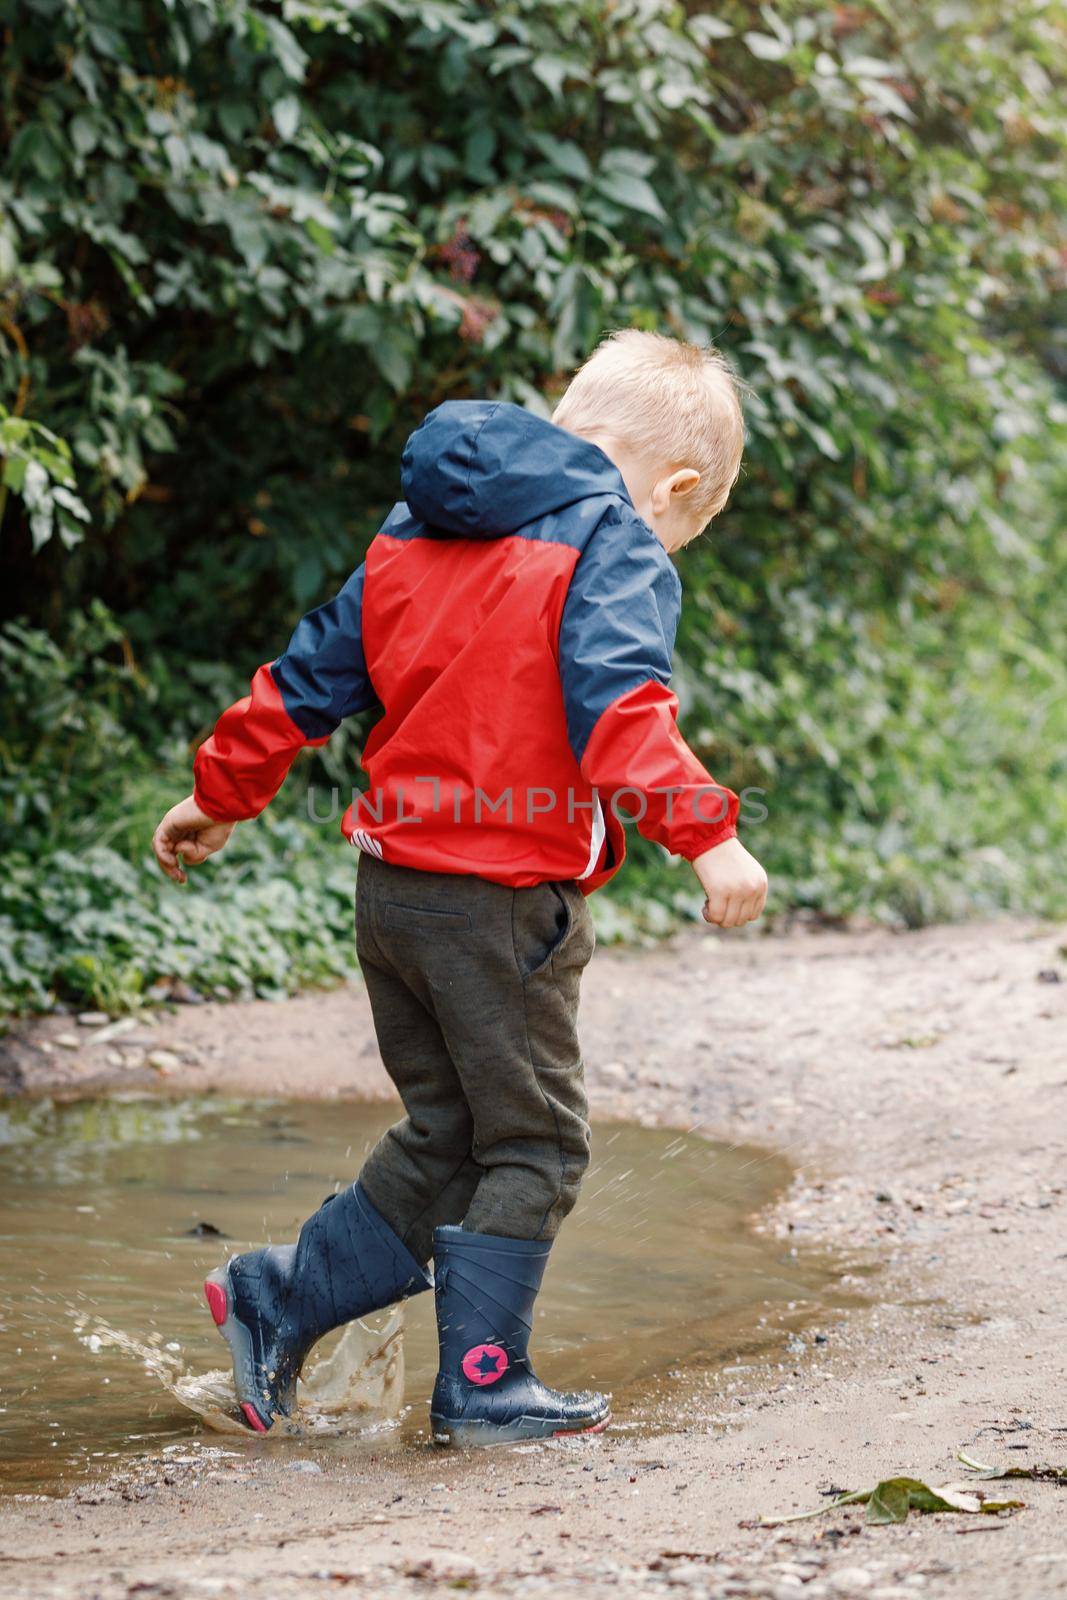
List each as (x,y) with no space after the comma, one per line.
(356,1388)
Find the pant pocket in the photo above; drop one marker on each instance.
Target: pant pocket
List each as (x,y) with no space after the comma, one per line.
(542,924)
(425,919)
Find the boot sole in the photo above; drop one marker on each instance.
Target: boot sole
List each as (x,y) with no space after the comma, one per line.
(483,1435)
(219,1299)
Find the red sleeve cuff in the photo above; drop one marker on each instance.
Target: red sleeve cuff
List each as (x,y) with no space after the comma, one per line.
(211,810)
(636,748)
(727,830)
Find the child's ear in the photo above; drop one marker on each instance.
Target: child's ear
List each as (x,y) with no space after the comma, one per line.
(673,489)
(684,481)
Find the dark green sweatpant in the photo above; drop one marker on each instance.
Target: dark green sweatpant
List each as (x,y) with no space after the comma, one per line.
(474,991)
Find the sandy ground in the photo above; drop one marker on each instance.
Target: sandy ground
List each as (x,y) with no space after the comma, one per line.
(920,1082)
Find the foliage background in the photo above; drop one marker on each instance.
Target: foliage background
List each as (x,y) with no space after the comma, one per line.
(244,247)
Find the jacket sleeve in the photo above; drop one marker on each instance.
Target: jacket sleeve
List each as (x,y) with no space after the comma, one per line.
(615,645)
(298,700)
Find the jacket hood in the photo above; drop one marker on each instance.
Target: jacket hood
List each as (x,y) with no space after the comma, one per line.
(481,469)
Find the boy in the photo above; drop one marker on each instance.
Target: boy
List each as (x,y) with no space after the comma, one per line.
(514,621)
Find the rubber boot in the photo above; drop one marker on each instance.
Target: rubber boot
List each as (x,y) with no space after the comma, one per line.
(486,1391)
(272,1305)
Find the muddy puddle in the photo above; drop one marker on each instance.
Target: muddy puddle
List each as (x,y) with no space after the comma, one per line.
(108,1219)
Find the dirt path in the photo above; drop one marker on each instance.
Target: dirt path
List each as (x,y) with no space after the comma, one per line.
(919,1080)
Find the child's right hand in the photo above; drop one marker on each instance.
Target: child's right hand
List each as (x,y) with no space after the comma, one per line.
(734,884)
(187,836)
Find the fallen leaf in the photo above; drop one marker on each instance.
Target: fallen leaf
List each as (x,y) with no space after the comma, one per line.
(1040,1472)
(894,1499)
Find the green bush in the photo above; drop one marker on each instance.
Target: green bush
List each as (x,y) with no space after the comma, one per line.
(84,913)
(90,926)
(244,247)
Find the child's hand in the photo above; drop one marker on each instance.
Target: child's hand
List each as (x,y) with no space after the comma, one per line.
(187,836)
(734,883)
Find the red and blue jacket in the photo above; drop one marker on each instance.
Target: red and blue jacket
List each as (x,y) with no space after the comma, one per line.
(513,623)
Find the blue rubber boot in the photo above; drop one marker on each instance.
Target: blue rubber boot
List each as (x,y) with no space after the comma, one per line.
(272,1305)
(486,1391)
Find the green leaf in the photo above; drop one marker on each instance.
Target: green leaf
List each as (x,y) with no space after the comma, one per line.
(766,47)
(41,525)
(14,475)
(291,57)
(554,195)
(621,159)
(868,67)
(393,363)
(320,235)
(250,236)
(893,1499)
(890,1501)
(479,148)
(553,71)
(84,133)
(235,118)
(635,193)
(32,146)
(821,438)
(925,1499)
(178,154)
(70,502)
(564,155)
(285,114)
(707,28)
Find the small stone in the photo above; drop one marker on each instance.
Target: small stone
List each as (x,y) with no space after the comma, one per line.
(67,1041)
(114,1030)
(93,1019)
(164,1061)
(304,1466)
(850,1580)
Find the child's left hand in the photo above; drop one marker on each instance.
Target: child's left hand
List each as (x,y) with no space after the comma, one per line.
(187,836)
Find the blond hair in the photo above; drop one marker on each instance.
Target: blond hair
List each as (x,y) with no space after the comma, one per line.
(662,395)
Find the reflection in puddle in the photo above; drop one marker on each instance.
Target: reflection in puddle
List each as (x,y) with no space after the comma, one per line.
(114,1210)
